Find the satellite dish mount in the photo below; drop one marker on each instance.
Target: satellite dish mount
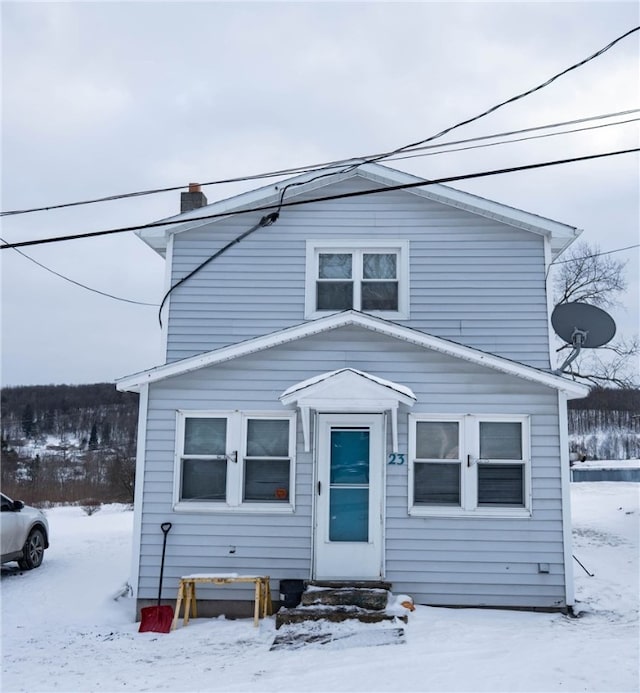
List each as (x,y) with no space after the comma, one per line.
(583,326)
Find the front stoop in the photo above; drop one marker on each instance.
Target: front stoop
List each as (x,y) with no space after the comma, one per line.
(340,601)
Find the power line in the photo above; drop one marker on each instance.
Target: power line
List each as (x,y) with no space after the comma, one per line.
(339,162)
(604,252)
(544,84)
(518,139)
(82,286)
(337,196)
(266,220)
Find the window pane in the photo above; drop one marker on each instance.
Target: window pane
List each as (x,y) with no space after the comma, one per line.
(501,484)
(204,480)
(379,295)
(349,514)
(205,436)
(266,480)
(334,295)
(334,266)
(500,440)
(349,457)
(267,438)
(437,440)
(436,483)
(379,266)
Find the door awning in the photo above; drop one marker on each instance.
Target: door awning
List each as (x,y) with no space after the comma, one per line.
(347,390)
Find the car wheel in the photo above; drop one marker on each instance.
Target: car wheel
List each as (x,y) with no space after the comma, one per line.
(33,551)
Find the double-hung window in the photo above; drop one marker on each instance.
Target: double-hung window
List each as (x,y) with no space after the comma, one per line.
(342,275)
(235,461)
(203,458)
(471,464)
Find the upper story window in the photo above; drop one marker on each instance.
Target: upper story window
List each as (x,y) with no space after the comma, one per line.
(469,465)
(372,278)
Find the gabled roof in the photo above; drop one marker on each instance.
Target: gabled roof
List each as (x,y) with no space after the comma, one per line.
(560,235)
(344,319)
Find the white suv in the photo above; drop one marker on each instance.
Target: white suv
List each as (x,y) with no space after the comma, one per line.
(24,533)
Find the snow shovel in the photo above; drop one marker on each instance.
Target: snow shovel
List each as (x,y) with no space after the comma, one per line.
(158,618)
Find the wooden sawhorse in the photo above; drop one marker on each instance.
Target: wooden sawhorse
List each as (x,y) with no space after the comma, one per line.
(187,593)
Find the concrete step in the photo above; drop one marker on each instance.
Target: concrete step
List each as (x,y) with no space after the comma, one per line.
(364,598)
(335,614)
(360,584)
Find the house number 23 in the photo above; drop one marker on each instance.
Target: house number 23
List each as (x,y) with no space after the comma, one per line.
(396,458)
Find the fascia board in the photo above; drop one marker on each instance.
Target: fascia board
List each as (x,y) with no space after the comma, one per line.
(348,318)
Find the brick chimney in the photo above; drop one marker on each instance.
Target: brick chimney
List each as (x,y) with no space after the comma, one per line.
(194,199)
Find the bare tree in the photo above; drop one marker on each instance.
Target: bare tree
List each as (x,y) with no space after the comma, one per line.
(586,275)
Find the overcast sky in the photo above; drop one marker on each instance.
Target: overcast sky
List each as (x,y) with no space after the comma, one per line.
(106,98)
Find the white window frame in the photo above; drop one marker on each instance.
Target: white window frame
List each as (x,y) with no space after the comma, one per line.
(470,459)
(358,248)
(235,453)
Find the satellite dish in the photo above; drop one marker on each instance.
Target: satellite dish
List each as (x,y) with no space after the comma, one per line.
(583,326)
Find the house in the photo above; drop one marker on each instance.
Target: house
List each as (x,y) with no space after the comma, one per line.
(358,389)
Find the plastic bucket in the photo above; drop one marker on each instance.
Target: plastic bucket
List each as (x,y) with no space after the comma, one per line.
(291,592)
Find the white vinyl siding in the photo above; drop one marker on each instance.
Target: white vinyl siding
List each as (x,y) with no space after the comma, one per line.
(473,280)
(463,560)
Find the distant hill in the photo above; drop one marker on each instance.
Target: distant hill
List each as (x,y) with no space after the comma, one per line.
(606,425)
(68,443)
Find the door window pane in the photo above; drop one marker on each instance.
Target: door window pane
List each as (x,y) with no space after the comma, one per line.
(267,438)
(379,295)
(335,266)
(436,483)
(501,484)
(349,457)
(379,266)
(205,436)
(437,440)
(334,295)
(203,480)
(349,514)
(500,440)
(266,480)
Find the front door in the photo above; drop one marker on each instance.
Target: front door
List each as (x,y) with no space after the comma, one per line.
(349,496)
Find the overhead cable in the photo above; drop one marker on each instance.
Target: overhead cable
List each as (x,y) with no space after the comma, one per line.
(310,168)
(76,283)
(336,196)
(522,95)
(266,220)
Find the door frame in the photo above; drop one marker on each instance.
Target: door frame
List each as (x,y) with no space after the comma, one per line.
(351,556)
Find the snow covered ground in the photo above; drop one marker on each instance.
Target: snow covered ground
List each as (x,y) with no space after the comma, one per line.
(63,631)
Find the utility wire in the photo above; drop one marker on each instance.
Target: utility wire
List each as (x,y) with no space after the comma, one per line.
(587,257)
(517,139)
(517,97)
(267,220)
(82,286)
(337,196)
(338,162)
(544,84)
